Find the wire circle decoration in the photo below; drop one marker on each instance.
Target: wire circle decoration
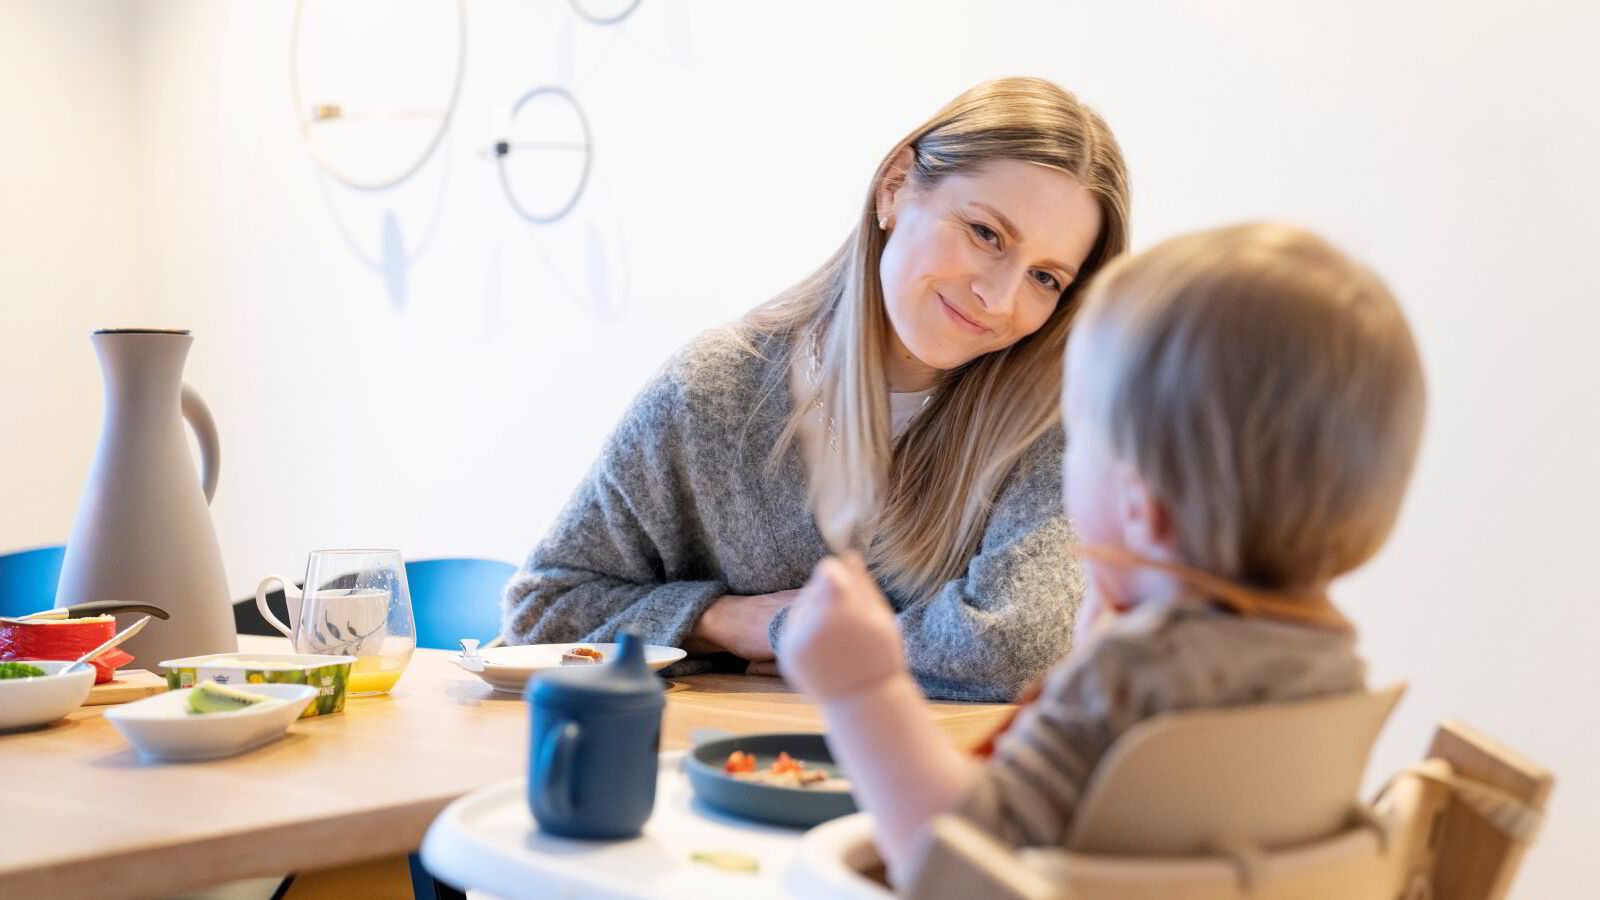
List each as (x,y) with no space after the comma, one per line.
(503,148)
(322,115)
(579,7)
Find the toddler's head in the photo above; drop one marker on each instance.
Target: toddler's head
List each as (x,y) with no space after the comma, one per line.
(1246,401)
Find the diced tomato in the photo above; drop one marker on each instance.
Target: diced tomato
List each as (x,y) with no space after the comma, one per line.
(786,763)
(739,761)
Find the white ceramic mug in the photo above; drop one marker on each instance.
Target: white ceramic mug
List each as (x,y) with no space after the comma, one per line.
(343,621)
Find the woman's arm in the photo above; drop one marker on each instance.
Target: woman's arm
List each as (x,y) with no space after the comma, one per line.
(988,634)
(626,551)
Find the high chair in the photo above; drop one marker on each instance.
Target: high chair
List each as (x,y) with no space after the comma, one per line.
(1254,802)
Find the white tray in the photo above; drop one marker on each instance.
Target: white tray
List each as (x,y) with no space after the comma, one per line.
(488,841)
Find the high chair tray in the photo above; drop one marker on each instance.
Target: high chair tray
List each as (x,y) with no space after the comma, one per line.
(487,841)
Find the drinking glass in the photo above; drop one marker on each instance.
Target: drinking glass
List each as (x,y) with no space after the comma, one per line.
(356,603)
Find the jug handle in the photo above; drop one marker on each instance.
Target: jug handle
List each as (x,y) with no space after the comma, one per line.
(556,768)
(205,432)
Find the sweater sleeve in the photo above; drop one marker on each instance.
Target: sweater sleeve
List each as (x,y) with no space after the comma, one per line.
(625,549)
(990,633)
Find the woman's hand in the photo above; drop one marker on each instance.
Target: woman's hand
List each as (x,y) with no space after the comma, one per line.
(737,624)
(841,637)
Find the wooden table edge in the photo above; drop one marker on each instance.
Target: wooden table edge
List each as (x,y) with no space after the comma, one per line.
(167,868)
(386,828)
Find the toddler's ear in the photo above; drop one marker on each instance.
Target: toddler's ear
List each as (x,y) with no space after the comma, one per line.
(1147,526)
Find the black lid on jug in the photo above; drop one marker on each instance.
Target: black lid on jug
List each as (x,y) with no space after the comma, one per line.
(625,684)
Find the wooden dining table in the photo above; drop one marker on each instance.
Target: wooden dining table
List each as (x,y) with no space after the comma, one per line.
(84,816)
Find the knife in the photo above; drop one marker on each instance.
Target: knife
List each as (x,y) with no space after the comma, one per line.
(91,608)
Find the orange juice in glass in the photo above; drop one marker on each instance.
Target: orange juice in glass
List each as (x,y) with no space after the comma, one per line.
(376,674)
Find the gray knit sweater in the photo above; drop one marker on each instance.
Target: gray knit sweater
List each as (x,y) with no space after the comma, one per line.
(681,508)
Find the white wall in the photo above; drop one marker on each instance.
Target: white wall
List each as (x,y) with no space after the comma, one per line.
(1449,145)
(69,245)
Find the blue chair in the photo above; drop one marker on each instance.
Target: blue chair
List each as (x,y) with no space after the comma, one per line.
(28,580)
(456,598)
(450,598)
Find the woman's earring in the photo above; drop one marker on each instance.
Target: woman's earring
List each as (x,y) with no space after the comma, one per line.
(883,223)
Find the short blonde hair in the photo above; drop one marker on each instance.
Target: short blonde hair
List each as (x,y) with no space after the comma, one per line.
(1268,390)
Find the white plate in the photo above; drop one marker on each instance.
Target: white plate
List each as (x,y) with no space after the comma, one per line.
(30,702)
(508,669)
(163,730)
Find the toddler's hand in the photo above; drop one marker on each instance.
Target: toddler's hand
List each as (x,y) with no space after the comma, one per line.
(841,637)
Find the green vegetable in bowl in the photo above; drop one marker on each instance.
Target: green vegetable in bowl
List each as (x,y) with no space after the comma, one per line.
(211,697)
(19,670)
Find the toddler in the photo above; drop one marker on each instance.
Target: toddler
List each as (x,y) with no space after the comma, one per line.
(1242,409)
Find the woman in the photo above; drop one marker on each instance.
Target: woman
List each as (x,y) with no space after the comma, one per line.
(920,367)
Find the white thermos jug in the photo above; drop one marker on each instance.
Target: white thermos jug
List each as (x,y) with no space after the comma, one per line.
(143,530)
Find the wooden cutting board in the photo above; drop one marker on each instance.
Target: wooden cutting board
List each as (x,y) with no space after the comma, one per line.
(129,685)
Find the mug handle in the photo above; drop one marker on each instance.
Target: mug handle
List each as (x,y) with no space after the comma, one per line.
(555,765)
(265,588)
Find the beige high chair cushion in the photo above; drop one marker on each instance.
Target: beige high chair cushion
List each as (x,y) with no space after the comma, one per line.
(1453,827)
(1268,775)
(965,862)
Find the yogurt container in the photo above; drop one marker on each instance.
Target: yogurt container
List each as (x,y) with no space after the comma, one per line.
(330,675)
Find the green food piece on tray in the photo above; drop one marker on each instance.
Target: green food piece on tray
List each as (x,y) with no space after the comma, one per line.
(727,860)
(19,670)
(210,697)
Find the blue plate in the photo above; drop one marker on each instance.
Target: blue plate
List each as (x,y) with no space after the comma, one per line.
(793,807)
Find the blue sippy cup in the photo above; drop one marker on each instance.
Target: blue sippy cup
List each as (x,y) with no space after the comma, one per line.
(596,733)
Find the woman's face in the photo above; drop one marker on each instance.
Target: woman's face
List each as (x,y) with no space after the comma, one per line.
(976,262)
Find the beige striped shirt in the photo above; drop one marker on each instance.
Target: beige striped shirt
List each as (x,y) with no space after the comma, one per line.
(1158,658)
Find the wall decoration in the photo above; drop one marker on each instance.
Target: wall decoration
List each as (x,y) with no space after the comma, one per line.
(374,84)
(544,155)
(604,12)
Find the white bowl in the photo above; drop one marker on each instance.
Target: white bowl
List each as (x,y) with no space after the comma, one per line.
(29,702)
(162,729)
(507,669)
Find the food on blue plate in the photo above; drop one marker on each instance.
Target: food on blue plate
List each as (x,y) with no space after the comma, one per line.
(785,771)
(211,697)
(582,656)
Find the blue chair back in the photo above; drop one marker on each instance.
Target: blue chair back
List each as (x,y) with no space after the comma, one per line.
(28,580)
(456,598)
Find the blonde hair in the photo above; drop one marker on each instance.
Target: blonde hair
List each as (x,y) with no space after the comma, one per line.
(1266,388)
(925,497)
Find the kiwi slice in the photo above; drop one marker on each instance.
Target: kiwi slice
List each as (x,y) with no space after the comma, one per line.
(211,697)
